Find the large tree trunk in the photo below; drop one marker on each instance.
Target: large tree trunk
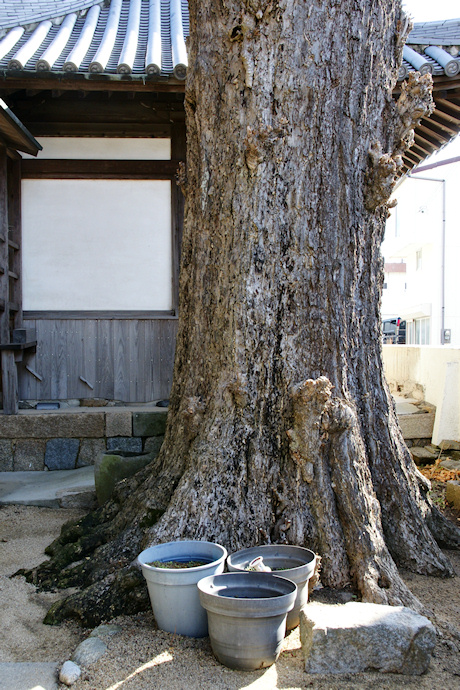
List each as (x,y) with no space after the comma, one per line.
(281,427)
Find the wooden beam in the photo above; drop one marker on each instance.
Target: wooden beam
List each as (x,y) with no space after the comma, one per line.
(432,132)
(442,118)
(425,143)
(438,129)
(413,158)
(103,169)
(84,82)
(100,129)
(448,105)
(98,315)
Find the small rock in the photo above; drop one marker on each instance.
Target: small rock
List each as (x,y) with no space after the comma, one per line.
(450,464)
(453,493)
(422,456)
(105,630)
(70,672)
(433,449)
(89,651)
(450,445)
(357,637)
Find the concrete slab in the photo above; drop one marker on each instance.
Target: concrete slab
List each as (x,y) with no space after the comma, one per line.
(49,489)
(29,675)
(406,408)
(402,398)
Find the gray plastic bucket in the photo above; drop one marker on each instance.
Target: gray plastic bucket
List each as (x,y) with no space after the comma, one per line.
(173,592)
(247,617)
(296,563)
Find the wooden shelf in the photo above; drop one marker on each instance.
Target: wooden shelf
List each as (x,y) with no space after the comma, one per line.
(17,347)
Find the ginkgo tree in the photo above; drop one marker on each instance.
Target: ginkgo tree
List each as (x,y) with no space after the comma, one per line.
(281,427)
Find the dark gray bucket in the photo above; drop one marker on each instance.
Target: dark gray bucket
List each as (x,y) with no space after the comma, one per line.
(293,562)
(247,617)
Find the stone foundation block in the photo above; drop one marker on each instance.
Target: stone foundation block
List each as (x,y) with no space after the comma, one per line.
(89,450)
(6,455)
(118,423)
(28,424)
(151,423)
(417,425)
(358,637)
(29,455)
(62,453)
(125,444)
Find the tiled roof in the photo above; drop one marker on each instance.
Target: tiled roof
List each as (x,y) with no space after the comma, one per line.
(122,36)
(148,37)
(433,47)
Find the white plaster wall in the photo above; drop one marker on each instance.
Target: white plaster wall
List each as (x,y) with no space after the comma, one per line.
(416,223)
(432,368)
(98,148)
(96,245)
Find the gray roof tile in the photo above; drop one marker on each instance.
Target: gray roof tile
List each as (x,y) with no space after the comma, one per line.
(13,13)
(446,32)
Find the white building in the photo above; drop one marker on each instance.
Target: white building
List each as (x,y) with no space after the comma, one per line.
(422,252)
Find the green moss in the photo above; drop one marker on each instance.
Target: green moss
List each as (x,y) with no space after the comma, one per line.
(150,518)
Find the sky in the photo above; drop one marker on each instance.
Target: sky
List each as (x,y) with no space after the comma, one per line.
(430,10)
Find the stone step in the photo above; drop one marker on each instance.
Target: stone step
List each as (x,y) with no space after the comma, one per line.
(58,489)
(25,675)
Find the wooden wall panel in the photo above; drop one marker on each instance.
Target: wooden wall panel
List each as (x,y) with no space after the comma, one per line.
(59,360)
(118,359)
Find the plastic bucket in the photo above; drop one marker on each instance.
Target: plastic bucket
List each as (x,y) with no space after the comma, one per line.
(293,562)
(247,617)
(173,592)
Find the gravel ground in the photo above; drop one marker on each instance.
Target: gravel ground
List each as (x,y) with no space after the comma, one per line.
(141,657)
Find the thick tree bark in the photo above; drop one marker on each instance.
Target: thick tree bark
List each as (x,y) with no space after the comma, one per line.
(281,427)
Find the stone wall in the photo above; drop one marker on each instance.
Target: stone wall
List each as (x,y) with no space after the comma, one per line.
(68,439)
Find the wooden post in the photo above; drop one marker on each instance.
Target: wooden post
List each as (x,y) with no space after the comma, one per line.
(14,237)
(4,264)
(9,382)
(9,370)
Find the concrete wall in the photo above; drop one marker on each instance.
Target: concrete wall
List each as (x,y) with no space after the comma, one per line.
(433,372)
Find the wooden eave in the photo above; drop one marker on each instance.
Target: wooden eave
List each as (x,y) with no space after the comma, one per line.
(14,135)
(436,131)
(13,80)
